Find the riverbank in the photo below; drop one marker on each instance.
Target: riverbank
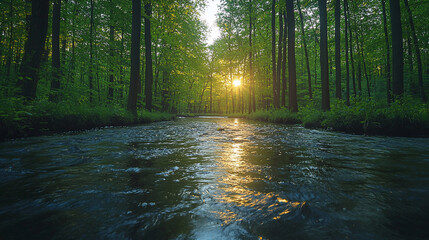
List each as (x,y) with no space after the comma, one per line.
(402,118)
(44,117)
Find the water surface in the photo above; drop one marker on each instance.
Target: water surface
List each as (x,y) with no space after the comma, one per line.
(214,178)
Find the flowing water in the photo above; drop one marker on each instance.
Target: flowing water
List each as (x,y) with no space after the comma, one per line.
(214,178)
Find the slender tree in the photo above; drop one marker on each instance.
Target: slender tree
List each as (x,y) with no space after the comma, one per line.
(386,39)
(283,98)
(56,63)
(347,54)
(273,52)
(397,49)
(417,50)
(91,51)
(352,63)
(307,63)
(111,52)
(279,57)
(135,57)
(293,103)
(324,54)
(34,48)
(337,49)
(148,54)
(251,85)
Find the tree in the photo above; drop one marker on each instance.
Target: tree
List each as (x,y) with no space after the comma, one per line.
(397,49)
(347,55)
(324,54)
(386,39)
(337,49)
(273,52)
(135,57)
(148,54)
(307,63)
(56,63)
(417,49)
(251,80)
(283,103)
(34,47)
(293,103)
(111,52)
(91,51)
(279,58)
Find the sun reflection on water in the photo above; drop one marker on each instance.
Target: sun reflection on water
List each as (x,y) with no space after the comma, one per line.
(237,176)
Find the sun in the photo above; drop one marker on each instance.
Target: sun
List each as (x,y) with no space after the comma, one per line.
(236,83)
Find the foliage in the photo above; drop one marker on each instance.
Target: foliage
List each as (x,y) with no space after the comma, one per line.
(276,116)
(406,117)
(18,119)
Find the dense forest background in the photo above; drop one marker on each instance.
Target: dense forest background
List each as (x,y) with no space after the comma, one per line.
(65,56)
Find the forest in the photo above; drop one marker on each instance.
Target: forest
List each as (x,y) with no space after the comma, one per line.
(355,66)
(131,119)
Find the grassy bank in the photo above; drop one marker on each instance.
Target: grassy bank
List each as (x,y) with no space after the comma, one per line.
(18,119)
(401,118)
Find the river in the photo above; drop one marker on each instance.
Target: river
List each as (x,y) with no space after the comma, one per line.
(214,178)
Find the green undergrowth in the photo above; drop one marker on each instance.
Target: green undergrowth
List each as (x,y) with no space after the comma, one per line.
(18,119)
(406,117)
(275,116)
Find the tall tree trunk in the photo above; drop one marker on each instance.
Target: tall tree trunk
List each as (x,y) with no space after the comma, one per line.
(11,42)
(34,48)
(386,38)
(111,53)
(91,53)
(410,53)
(251,83)
(135,57)
(283,99)
(417,49)
(148,54)
(293,103)
(397,49)
(360,50)
(307,63)
(362,59)
(273,51)
(279,59)
(337,49)
(351,53)
(324,54)
(211,92)
(347,54)
(56,62)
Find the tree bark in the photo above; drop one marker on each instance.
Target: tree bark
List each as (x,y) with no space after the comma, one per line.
(347,54)
(279,58)
(111,53)
(417,49)
(273,52)
(352,63)
(310,92)
(337,49)
(148,55)
(56,63)
(386,38)
(293,103)
(251,83)
(91,53)
(324,55)
(135,57)
(34,48)
(284,79)
(397,49)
